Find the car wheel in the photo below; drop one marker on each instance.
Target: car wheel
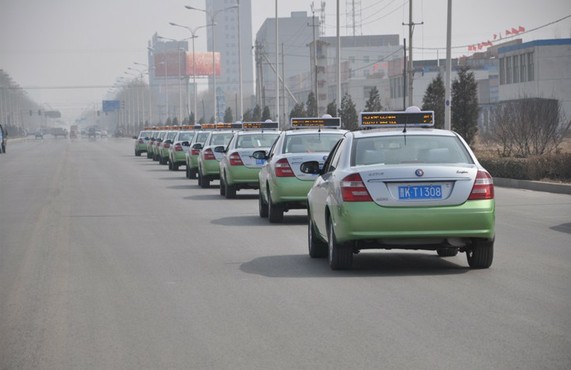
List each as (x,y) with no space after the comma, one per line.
(262,206)
(187,172)
(204,181)
(230,191)
(137,153)
(275,212)
(447,252)
(175,167)
(340,255)
(192,173)
(481,254)
(317,247)
(170,166)
(222,187)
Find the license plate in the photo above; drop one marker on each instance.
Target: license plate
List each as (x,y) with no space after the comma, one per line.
(420,192)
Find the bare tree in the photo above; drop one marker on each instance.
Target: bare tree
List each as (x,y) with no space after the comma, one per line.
(528,126)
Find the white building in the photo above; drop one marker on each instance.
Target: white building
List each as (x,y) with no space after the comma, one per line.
(227,40)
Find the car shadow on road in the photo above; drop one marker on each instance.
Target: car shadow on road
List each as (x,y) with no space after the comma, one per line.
(251,220)
(201,197)
(364,264)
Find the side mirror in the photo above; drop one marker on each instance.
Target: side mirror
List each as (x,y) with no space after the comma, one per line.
(219,149)
(310,167)
(197,146)
(260,154)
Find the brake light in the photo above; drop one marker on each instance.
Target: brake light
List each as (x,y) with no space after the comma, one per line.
(353,189)
(235,160)
(178,148)
(209,155)
(166,145)
(483,187)
(283,168)
(195,151)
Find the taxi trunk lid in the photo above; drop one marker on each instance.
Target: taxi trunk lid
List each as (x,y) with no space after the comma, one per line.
(419,185)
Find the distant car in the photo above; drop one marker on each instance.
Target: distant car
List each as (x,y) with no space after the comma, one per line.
(191,155)
(208,167)
(141,142)
(92,133)
(238,168)
(177,150)
(164,145)
(282,185)
(3,139)
(39,134)
(401,188)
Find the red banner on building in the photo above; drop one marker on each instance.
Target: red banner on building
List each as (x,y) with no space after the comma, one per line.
(203,62)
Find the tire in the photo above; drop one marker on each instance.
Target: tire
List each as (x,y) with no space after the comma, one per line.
(230,191)
(481,254)
(222,187)
(175,167)
(340,255)
(137,153)
(275,212)
(192,173)
(447,252)
(317,247)
(262,206)
(170,166)
(187,172)
(204,181)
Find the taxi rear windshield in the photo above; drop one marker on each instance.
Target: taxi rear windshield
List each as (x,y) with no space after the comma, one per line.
(309,143)
(264,140)
(409,149)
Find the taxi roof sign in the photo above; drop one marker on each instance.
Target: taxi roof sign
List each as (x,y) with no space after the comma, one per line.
(396,119)
(312,122)
(260,125)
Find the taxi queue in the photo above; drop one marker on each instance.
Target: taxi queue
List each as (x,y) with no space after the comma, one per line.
(395,183)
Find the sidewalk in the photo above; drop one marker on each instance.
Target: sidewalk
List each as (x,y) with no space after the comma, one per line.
(550,187)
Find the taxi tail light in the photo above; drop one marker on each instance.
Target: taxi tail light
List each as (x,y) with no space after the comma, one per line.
(283,168)
(209,155)
(483,187)
(235,160)
(195,151)
(178,148)
(353,189)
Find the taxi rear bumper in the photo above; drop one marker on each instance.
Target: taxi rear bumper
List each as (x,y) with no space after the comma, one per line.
(368,221)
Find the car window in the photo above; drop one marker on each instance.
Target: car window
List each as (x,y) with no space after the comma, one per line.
(409,149)
(309,143)
(256,140)
(333,157)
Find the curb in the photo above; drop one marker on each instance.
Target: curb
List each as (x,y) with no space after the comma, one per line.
(550,187)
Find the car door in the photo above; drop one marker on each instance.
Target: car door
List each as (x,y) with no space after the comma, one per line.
(322,189)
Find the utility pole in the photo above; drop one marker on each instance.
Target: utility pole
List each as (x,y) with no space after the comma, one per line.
(447,97)
(410,25)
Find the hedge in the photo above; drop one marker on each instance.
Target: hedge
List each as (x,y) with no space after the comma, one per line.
(554,167)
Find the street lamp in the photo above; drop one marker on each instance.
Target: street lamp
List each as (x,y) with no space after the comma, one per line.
(193,33)
(212,21)
(150,92)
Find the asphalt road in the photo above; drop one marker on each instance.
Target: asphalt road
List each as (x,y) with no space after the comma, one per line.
(110,261)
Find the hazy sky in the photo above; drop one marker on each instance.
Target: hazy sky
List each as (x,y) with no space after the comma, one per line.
(67,53)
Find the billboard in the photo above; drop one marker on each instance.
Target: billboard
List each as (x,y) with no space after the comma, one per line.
(170,64)
(203,64)
(110,105)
